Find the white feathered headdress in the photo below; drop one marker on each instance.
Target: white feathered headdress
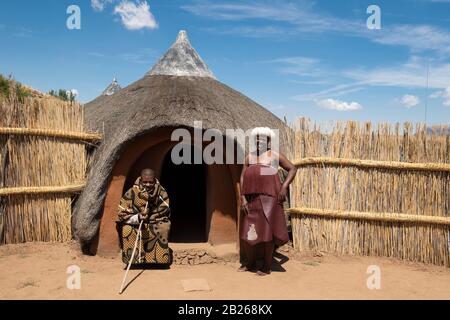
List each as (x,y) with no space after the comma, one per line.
(262,131)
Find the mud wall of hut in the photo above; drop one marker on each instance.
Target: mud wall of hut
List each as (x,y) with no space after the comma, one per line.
(365,190)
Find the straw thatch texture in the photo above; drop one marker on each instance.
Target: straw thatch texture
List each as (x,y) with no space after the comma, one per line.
(38,161)
(346,185)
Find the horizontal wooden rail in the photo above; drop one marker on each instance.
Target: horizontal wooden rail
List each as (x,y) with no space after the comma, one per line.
(374,164)
(74,188)
(371,216)
(72,135)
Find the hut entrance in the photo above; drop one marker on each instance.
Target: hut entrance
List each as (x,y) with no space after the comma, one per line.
(186,186)
(203,198)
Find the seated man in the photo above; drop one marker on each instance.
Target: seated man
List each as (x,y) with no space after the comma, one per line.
(146,201)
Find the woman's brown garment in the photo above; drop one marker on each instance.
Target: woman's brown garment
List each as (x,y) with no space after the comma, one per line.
(265,221)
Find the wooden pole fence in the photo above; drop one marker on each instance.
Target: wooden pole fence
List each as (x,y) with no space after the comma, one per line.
(372,216)
(373,164)
(73,188)
(72,135)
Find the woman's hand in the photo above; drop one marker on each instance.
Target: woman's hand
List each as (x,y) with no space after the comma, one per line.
(282,194)
(244,205)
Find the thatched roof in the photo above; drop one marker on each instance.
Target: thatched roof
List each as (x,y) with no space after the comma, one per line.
(150,103)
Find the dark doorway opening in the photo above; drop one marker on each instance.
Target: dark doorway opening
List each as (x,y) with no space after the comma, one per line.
(186,186)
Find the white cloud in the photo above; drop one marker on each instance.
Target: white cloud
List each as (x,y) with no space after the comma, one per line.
(276,107)
(99,5)
(335,91)
(410,101)
(436,94)
(299,17)
(412,74)
(416,37)
(333,104)
(446,97)
(444,94)
(300,66)
(141,56)
(239,11)
(136,16)
(251,31)
(303,18)
(97,54)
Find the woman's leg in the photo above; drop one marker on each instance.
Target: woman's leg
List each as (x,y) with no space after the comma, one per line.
(250,256)
(268,255)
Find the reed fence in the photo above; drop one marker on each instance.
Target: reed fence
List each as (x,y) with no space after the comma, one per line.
(42,166)
(365,190)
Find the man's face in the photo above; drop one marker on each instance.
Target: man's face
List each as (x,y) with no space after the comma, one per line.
(148,182)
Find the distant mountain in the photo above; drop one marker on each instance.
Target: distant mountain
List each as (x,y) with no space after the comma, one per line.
(439,129)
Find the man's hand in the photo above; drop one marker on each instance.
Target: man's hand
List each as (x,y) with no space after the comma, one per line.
(143,216)
(282,195)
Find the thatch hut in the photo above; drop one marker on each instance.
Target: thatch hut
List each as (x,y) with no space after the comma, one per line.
(137,122)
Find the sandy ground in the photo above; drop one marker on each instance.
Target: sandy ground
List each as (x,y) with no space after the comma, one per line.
(38,271)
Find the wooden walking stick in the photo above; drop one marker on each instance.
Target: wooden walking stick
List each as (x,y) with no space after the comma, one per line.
(139,234)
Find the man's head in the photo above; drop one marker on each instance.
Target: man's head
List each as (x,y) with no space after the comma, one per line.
(148,179)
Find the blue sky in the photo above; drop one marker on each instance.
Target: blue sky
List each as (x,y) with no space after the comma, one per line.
(297,58)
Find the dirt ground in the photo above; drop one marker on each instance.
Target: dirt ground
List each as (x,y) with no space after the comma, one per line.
(38,271)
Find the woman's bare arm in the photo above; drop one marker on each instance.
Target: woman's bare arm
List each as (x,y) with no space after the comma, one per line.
(292,171)
(290,168)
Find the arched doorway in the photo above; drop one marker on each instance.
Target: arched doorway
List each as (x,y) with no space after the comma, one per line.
(186,186)
(214,189)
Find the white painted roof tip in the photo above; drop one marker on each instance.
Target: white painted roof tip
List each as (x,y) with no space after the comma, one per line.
(182,36)
(113,88)
(181,60)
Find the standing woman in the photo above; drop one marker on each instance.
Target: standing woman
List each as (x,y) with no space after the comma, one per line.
(262,197)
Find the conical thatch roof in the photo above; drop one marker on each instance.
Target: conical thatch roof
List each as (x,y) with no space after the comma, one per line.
(159,99)
(114,87)
(181,60)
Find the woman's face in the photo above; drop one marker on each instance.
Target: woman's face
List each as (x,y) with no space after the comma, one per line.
(262,143)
